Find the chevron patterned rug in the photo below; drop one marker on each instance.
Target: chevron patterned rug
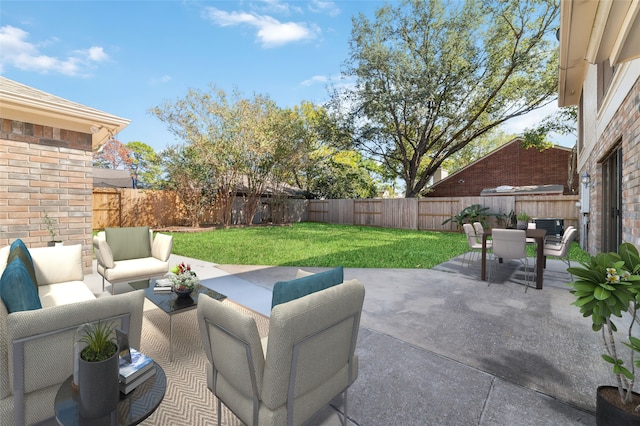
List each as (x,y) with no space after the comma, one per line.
(187,400)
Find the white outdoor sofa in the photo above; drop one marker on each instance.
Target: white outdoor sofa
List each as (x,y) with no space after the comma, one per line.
(36,345)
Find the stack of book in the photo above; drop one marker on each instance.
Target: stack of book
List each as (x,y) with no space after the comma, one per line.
(162,285)
(135,373)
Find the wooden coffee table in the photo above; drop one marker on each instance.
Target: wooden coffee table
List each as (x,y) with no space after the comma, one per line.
(171,304)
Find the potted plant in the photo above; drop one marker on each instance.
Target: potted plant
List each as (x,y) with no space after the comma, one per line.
(98,371)
(609,286)
(51,227)
(523,220)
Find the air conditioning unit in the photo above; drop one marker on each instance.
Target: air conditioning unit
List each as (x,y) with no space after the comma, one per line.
(554,227)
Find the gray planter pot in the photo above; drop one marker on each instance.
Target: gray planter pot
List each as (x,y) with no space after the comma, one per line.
(98,387)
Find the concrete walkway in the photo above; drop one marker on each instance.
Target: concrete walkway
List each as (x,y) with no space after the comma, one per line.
(440,347)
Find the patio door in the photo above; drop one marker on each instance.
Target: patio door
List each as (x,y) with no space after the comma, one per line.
(612,201)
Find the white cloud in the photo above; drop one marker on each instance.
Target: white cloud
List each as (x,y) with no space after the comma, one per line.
(160,80)
(315,80)
(97,54)
(270,31)
(278,6)
(328,7)
(22,54)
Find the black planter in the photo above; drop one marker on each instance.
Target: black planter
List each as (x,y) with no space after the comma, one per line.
(608,414)
(98,387)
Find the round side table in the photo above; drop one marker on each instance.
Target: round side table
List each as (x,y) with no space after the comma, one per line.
(132,408)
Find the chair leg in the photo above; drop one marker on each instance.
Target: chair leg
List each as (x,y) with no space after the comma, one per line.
(344,414)
(526,274)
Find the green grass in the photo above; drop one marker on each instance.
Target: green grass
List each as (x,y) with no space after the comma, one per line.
(324,245)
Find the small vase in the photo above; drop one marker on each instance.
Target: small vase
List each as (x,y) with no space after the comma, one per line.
(183,293)
(98,386)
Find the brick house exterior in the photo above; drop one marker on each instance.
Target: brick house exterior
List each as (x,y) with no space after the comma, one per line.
(600,73)
(47,167)
(509,165)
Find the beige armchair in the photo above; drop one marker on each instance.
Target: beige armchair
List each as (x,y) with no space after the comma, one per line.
(307,360)
(131,254)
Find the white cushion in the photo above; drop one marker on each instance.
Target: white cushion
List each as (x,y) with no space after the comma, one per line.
(57,264)
(133,268)
(64,293)
(161,247)
(4,255)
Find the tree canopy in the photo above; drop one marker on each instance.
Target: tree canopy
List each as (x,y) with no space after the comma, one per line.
(432,76)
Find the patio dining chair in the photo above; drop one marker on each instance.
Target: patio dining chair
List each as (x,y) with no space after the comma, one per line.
(531,225)
(477,226)
(561,250)
(510,244)
(474,245)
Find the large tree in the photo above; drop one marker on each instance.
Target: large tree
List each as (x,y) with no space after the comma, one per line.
(112,155)
(145,165)
(432,76)
(192,178)
(242,143)
(317,165)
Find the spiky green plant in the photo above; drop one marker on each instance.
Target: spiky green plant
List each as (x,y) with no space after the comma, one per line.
(100,342)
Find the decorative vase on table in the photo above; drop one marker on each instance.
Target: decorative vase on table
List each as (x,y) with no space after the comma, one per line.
(184,281)
(98,386)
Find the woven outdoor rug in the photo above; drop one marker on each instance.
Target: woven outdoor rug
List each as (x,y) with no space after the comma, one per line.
(187,400)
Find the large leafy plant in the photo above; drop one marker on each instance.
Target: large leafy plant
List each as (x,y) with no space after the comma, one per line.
(473,213)
(607,287)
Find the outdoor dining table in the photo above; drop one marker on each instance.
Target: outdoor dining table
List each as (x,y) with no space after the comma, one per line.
(538,235)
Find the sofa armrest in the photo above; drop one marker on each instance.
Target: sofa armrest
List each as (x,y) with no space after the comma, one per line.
(41,352)
(103,253)
(162,245)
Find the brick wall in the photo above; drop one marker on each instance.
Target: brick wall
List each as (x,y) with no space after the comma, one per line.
(510,165)
(45,170)
(624,128)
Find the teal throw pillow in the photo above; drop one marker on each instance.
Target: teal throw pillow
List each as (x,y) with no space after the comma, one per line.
(285,291)
(128,243)
(19,251)
(17,291)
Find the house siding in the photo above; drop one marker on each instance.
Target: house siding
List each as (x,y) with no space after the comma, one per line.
(509,165)
(622,125)
(45,169)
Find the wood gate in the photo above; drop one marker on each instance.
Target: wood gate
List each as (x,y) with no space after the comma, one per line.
(107,209)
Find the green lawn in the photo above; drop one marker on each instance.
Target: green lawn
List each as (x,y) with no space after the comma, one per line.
(319,244)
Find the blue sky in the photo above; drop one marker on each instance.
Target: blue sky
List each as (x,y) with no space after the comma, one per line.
(125,57)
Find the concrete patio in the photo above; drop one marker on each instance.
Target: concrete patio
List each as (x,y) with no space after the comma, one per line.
(439,346)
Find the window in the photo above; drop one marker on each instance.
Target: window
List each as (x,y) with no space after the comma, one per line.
(605,76)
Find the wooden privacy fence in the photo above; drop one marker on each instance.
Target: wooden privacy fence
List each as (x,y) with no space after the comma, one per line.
(429,213)
(134,207)
(157,209)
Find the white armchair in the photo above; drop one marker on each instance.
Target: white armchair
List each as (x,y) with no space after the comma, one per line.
(308,358)
(131,254)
